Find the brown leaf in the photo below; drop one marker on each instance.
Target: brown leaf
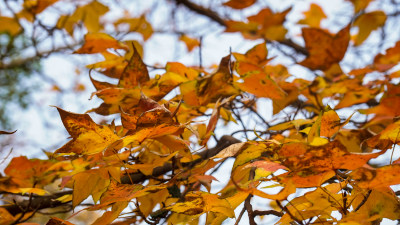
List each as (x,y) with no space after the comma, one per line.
(324,48)
(135,73)
(239,4)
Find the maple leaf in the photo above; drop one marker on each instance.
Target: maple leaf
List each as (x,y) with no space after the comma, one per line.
(324,48)
(216,85)
(87,136)
(99,42)
(191,43)
(368,22)
(135,72)
(10,26)
(88,14)
(313,16)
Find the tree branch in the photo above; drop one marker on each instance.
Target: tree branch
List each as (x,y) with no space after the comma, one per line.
(224,142)
(216,18)
(43,202)
(37,203)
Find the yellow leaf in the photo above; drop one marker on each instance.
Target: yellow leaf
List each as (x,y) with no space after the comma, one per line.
(9,25)
(135,72)
(191,43)
(109,216)
(140,25)
(88,183)
(313,16)
(88,14)
(230,151)
(37,191)
(87,136)
(366,23)
(330,124)
(99,42)
(6,217)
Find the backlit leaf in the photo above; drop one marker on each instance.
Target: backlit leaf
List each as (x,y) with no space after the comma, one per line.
(190,43)
(324,48)
(313,16)
(99,42)
(368,22)
(87,136)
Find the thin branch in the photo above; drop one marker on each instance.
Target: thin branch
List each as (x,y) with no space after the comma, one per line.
(138,177)
(363,201)
(214,16)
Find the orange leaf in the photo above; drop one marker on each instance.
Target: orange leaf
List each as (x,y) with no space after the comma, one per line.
(391,58)
(135,72)
(330,124)
(371,178)
(9,25)
(87,136)
(288,189)
(191,43)
(324,49)
(26,172)
(88,14)
(267,165)
(140,25)
(261,85)
(239,4)
(99,42)
(313,16)
(389,104)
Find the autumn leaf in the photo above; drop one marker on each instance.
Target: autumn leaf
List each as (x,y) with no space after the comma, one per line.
(9,25)
(99,42)
(92,182)
(271,23)
(135,72)
(36,7)
(360,4)
(216,85)
(201,202)
(368,22)
(391,57)
(261,85)
(87,136)
(324,48)
(330,124)
(140,25)
(26,173)
(88,14)
(389,104)
(239,4)
(190,43)
(313,16)
(6,217)
(371,178)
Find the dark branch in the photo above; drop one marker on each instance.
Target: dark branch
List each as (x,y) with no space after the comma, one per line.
(37,203)
(216,18)
(224,142)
